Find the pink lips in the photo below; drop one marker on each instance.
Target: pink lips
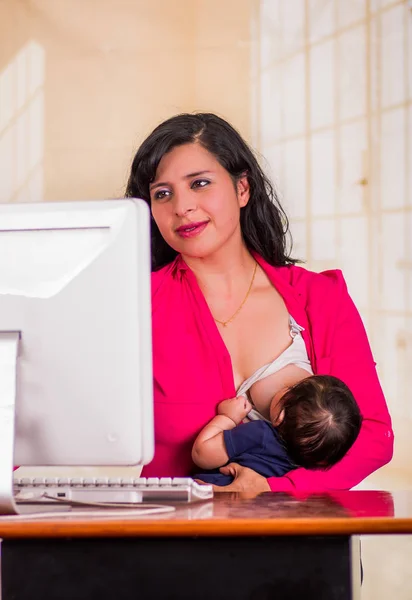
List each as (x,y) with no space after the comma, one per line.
(191,229)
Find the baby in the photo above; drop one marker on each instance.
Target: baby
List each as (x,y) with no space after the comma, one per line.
(311,424)
(297,419)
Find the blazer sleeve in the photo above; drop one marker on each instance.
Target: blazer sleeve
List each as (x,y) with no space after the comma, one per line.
(350,359)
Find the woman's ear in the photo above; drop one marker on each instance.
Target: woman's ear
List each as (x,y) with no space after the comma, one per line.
(243,190)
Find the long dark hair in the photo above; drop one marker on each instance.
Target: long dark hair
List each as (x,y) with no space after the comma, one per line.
(263,222)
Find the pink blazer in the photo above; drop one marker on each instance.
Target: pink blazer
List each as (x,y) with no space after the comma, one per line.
(193,370)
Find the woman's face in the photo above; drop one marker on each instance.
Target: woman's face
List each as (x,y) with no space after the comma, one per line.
(195,203)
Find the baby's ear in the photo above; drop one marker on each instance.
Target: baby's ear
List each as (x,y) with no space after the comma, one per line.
(279,418)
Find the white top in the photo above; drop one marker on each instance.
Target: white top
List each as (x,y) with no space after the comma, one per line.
(295,354)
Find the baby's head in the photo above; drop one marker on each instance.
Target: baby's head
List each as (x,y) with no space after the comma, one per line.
(318,419)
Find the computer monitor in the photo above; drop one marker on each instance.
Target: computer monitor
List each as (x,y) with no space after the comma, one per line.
(75,336)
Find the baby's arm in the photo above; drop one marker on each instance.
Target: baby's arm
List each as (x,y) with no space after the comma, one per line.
(209,450)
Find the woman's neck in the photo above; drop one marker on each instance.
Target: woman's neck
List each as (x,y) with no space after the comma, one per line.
(224,272)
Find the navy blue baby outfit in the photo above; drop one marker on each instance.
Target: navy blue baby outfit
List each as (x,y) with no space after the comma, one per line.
(255,445)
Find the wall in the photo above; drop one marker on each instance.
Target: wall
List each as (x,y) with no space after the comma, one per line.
(81,88)
(334,122)
(333,117)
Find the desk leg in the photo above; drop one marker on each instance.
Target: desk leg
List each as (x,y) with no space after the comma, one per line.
(356,577)
(1,571)
(243,568)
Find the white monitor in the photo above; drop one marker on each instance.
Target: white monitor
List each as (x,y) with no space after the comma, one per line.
(75,336)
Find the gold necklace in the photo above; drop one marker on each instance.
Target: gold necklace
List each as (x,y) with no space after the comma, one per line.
(224,323)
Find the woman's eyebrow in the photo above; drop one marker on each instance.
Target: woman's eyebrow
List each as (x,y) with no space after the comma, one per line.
(196,174)
(188,176)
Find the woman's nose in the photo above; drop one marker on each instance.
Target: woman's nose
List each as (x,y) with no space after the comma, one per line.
(184,202)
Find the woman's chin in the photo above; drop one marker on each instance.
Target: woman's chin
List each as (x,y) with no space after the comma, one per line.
(197,250)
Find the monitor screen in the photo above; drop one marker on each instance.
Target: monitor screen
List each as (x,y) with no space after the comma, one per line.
(75,294)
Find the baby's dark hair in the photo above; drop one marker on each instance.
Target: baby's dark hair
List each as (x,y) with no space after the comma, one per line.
(321,421)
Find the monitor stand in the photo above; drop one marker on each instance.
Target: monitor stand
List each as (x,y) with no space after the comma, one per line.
(9,344)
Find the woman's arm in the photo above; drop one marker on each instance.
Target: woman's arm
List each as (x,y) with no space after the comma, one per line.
(209,450)
(350,359)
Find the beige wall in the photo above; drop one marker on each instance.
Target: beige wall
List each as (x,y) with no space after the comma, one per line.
(222,60)
(110,71)
(334,120)
(333,117)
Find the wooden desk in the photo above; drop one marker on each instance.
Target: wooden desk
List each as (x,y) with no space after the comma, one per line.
(270,546)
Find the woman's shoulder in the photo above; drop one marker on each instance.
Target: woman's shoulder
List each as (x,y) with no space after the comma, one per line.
(324,280)
(304,280)
(160,276)
(325,287)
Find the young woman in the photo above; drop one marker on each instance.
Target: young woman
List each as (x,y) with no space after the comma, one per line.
(223,289)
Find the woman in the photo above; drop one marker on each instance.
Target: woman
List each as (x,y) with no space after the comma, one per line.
(223,287)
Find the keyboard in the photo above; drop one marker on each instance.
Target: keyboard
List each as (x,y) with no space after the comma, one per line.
(109,490)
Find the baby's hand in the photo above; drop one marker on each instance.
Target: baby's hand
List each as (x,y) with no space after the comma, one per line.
(235,408)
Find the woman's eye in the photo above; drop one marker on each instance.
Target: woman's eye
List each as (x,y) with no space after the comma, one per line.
(161,194)
(199,183)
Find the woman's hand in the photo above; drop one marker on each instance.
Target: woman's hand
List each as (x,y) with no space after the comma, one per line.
(245,480)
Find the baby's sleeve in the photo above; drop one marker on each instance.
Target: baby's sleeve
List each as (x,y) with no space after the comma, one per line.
(246,437)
